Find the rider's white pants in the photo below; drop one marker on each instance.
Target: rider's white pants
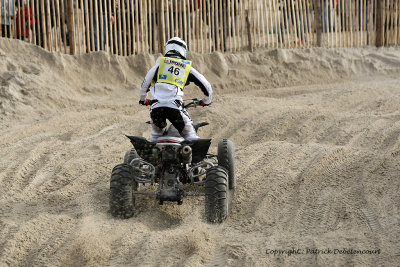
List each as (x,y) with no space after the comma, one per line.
(188,132)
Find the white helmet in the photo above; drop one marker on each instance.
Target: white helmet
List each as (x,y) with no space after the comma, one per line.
(176,47)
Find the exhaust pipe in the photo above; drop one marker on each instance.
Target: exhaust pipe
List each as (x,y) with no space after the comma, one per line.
(186,153)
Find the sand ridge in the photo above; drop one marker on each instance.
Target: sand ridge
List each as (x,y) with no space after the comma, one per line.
(317,151)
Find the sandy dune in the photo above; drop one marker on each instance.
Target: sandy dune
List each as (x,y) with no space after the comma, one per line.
(317,135)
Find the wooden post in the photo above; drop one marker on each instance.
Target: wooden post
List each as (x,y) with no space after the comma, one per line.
(263,20)
(78,25)
(202,21)
(9,28)
(282,26)
(123,14)
(137,35)
(37,28)
(174,18)
(379,26)
(133,27)
(210,26)
(387,22)
(357,22)
(258,23)
(166,8)
(348,24)
(305,24)
(2,11)
(398,22)
(392,23)
(71,28)
(149,28)
(271,23)
(287,20)
(22,30)
(221,25)
(228,25)
(310,23)
(129,34)
(331,15)
(91,26)
(20,26)
(2,8)
(253,14)
(185,24)
(342,25)
(372,7)
(96,18)
(240,19)
(216,24)
(60,23)
(277,25)
(33,6)
(249,31)
(199,27)
(146,25)
(194,28)
(180,15)
(48,28)
(154,29)
(119,15)
(44,40)
(87,25)
(300,23)
(362,21)
(111,22)
(161,26)
(289,23)
(335,8)
(234,17)
(294,14)
(102,19)
(318,24)
(62,26)
(171,18)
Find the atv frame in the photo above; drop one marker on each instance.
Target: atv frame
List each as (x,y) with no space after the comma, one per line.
(174,163)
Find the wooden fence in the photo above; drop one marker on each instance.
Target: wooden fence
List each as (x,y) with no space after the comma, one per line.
(127,27)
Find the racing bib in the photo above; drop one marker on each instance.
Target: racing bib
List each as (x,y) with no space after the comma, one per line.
(174,71)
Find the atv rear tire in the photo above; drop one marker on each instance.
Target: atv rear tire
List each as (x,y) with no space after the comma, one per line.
(226,159)
(122,186)
(217,194)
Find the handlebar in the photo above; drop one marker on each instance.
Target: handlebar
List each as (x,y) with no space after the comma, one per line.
(194,102)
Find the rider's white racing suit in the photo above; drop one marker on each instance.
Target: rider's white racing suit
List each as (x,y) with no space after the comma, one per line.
(169,92)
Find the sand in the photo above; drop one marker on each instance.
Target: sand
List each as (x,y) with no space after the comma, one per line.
(317,136)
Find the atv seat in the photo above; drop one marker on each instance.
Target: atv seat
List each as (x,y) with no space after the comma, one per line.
(169,139)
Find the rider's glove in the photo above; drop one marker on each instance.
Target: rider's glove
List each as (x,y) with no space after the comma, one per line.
(203,104)
(200,103)
(144,102)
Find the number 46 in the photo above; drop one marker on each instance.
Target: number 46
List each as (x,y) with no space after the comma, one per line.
(173,70)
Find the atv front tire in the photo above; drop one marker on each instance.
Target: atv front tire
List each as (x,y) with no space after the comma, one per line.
(226,159)
(122,186)
(217,194)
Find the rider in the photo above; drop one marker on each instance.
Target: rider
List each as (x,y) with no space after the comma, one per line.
(166,81)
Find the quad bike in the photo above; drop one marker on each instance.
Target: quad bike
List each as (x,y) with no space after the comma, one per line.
(175,164)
